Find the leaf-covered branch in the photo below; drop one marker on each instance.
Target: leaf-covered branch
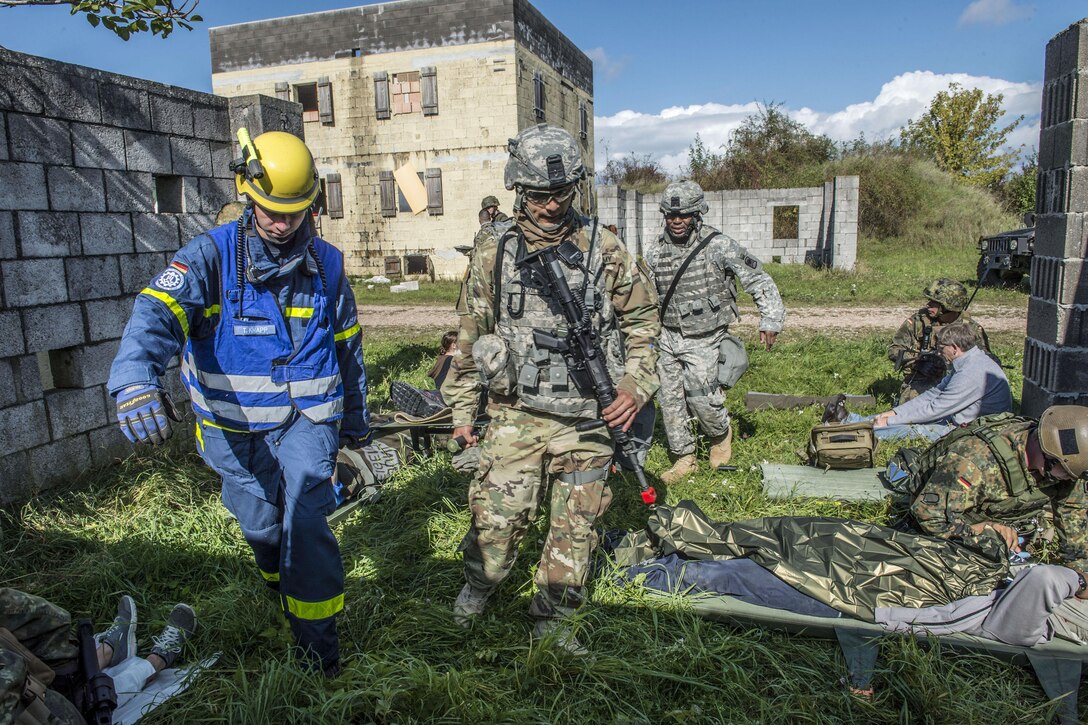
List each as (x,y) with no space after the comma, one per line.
(125,17)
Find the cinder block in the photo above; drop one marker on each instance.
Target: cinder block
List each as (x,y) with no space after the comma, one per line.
(1054,324)
(7,385)
(137,270)
(40,140)
(106,233)
(1074,47)
(28,378)
(129,191)
(11,334)
(23,427)
(211,122)
(1061,235)
(1080,94)
(1064,281)
(106,319)
(194,224)
(98,147)
(108,445)
(74,411)
(48,234)
(53,327)
(125,107)
(30,282)
(76,189)
(3,134)
(1077,201)
(147,152)
(221,158)
(70,95)
(22,186)
(191,157)
(92,278)
(84,366)
(214,193)
(171,115)
(1052,67)
(7,236)
(16,481)
(61,461)
(156,232)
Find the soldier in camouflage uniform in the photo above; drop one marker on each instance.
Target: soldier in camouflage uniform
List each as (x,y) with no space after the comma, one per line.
(533,403)
(969,491)
(697,356)
(490,206)
(947,303)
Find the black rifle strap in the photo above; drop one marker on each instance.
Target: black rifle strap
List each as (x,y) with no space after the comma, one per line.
(496,284)
(683,268)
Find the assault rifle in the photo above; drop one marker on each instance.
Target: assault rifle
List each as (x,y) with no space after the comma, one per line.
(99,697)
(581,346)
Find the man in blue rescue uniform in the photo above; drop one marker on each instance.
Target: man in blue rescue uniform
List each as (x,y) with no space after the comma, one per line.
(266,324)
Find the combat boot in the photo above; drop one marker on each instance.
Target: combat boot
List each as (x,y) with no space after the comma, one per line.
(721,449)
(683,467)
(470,603)
(561,634)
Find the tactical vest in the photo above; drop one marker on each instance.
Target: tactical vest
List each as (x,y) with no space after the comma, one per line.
(705,298)
(247,375)
(544,382)
(1025,499)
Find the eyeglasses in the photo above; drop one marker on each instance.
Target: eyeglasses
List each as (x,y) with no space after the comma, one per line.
(542,197)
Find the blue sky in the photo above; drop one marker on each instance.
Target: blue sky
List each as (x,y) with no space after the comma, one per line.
(667,70)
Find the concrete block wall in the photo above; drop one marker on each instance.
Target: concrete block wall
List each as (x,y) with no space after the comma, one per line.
(1056,348)
(827,222)
(79,238)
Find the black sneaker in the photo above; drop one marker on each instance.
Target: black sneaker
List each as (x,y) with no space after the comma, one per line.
(121,636)
(179,627)
(836,411)
(413,401)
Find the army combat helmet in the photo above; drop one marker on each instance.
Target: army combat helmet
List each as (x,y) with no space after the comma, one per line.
(543,157)
(489,201)
(1063,437)
(948,293)
(276,172)
(683,197)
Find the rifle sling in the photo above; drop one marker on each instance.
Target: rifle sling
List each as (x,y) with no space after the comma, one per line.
(683,268)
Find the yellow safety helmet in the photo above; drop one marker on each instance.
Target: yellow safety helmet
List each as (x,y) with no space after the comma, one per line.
(276,172)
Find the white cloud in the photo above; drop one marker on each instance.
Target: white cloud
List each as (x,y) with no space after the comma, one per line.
(608,67)
(667,134)
(995,12)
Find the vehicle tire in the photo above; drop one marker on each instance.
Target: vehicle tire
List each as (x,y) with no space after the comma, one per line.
(986,277)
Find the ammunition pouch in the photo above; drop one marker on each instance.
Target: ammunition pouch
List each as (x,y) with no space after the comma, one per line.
(732,360)
(493,360)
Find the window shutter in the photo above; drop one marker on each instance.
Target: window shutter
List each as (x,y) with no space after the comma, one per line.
(428,77)
(283,91)
(538,95)
(334,196)
(388,193)
(381,95)
(324,101)
(433,180)
(583,120)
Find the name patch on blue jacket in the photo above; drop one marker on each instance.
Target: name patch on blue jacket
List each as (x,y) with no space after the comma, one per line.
(254,330)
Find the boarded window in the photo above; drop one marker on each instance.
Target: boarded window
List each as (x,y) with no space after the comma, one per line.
(335,196)
(324,101)
(785,222)
(283,91)
(583,120)
(381,95)
(306,94)
(405,94)
(538,95)
(433,180)
(392,267)
(402,201)
(428,78)
(388,192)
(416,264)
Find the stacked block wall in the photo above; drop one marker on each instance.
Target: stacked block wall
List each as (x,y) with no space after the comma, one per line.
(1056,348)
(79,238)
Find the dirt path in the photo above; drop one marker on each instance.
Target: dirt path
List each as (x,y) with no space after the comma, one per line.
(841,319)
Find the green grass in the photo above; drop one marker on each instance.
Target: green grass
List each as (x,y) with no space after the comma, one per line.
(153,526)
(441,292)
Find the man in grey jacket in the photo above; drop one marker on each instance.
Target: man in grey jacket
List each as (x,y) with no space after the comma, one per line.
(975,386)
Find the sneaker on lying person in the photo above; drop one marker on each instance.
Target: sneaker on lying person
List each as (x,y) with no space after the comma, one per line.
(179,628)
(121,636)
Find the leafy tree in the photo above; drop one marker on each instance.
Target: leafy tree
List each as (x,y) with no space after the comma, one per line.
(125,17)
(767,151)
(960,133)
(635,172)
(1018,190)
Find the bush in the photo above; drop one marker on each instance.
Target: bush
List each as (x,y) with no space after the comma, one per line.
(640,173)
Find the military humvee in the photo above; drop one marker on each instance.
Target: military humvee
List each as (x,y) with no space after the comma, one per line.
(1005,258)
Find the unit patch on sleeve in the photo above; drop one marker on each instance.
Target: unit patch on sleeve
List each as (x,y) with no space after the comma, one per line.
(172,278)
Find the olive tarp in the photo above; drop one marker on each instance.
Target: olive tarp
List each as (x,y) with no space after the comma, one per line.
(825,558)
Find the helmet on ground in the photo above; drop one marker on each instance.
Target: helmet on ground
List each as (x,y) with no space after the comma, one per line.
(683,197)
(1063,436)
(489,201)
(948,293)
(543,157)
(289,182)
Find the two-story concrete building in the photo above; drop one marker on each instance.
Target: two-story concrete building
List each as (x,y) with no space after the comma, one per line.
(411,102)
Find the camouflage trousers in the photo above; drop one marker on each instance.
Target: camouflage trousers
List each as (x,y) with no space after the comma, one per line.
(520,452)
(688,368)
(43,628)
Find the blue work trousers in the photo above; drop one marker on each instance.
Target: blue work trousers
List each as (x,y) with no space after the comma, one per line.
(278,485)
